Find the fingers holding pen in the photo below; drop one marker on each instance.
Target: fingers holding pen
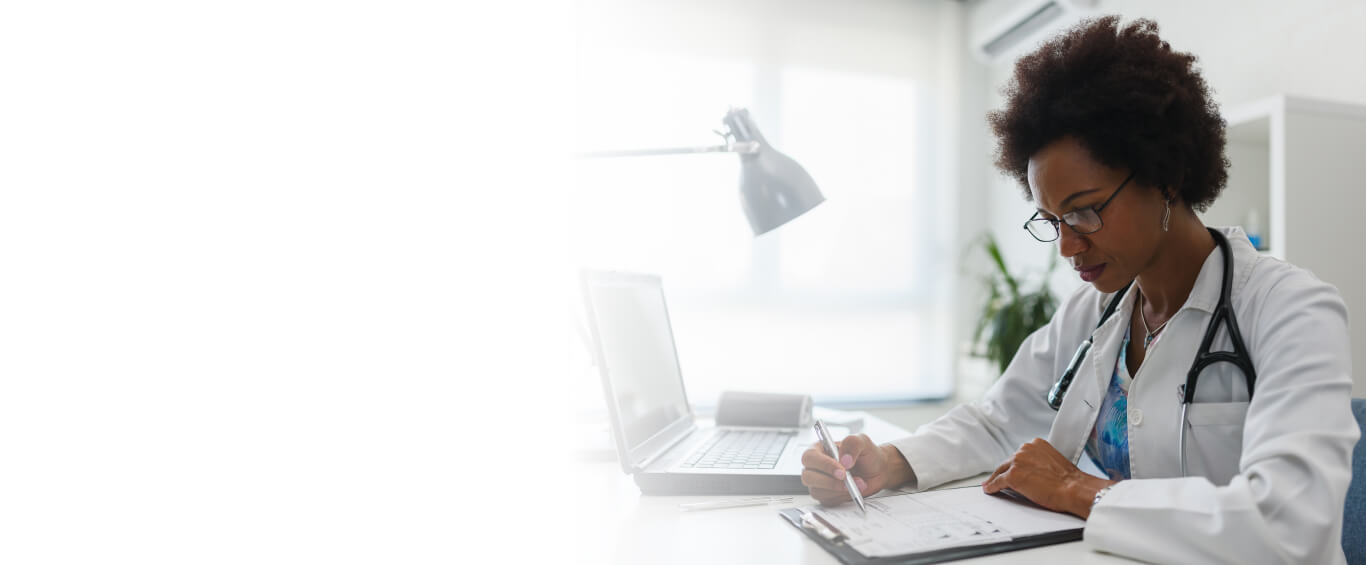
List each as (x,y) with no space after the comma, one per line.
(816,459)
(816,480)
(829,497)
(827,490)
(824,476)
(852,448)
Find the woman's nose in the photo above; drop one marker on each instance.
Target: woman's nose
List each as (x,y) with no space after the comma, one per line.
(1070,242)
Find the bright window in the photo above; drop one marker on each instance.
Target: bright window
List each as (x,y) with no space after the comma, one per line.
(850,302)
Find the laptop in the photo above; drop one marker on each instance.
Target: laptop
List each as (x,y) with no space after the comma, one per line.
(659,441)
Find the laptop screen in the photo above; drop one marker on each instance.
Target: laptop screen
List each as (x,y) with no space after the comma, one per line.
(638,358)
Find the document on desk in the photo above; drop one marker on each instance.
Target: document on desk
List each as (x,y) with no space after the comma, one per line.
(933,520)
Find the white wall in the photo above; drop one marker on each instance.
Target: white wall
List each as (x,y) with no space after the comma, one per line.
(911,42)
(1247,50)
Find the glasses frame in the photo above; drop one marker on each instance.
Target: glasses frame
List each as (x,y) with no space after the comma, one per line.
(1057,232)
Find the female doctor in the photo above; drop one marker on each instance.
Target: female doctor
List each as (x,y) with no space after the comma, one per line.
(1115,138)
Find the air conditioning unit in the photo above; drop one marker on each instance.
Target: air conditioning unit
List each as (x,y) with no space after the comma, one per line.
(1022,25)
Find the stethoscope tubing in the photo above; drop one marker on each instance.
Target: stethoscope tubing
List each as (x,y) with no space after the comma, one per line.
(1181,435)
(1223,315)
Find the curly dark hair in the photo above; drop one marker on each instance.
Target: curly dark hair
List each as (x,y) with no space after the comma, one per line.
(1131,101)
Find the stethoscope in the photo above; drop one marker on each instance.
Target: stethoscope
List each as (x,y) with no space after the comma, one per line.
(1223,314)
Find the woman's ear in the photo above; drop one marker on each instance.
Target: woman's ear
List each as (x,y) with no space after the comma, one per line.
(1174,197)
(1172,191)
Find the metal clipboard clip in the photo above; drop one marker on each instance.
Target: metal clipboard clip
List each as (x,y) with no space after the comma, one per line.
(814,522)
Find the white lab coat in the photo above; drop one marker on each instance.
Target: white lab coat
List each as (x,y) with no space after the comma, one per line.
(1267,478)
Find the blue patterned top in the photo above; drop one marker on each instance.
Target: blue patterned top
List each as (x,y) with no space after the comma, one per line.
(1108,445)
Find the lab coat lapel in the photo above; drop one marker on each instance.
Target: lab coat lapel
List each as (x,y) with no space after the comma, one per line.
(1153,442)
(1079,409)
(1155,397)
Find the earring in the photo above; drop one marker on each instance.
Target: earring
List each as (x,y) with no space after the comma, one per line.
(1167,215)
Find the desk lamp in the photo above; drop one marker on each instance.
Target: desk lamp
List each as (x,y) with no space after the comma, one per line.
(774,189)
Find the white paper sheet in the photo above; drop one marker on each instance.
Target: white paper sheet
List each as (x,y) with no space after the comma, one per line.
(926,521)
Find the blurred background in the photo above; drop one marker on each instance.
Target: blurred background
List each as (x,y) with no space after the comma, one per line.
(296,280)
(871,299)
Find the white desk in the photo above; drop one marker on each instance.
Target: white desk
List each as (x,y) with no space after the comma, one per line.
(617,524)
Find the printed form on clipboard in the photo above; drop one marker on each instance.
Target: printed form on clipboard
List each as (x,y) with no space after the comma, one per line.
(930,521)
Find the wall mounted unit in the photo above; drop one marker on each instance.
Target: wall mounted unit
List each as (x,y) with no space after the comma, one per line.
(1021,26)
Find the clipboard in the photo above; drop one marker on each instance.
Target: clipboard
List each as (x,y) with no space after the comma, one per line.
(831,540)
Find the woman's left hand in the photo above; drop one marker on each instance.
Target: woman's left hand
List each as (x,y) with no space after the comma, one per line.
(1045,477)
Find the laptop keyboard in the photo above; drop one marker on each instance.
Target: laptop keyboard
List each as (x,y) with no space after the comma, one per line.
(739,449)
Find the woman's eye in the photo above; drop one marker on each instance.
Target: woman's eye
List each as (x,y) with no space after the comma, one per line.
(1077,210)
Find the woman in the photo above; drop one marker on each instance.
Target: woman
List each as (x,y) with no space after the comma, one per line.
(1118,145)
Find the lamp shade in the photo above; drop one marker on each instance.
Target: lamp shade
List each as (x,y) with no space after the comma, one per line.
(774,189)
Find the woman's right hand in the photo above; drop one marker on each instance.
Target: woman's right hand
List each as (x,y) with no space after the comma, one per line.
(874,468)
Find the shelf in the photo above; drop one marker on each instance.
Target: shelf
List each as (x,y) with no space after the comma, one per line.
(1297,164)
(1246,201)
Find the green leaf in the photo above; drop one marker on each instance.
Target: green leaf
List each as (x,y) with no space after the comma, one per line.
(995,251)
(1009,315)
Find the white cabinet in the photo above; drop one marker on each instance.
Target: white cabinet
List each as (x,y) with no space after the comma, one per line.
(1299,165)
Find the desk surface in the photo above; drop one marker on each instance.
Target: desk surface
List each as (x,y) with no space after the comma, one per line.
(619,525)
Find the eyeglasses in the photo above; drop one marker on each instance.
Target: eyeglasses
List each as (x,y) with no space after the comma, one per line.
(1082,220)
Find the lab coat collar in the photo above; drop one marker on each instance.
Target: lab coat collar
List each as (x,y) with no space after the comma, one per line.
(1093,376)
(1205,293)
(1083,401)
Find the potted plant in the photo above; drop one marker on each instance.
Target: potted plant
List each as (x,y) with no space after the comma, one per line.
(1010,313)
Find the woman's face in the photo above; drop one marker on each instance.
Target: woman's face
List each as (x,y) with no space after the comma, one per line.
(1062,178)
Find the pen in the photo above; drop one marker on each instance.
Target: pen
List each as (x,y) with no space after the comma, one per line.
(734,503)
(824,435)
